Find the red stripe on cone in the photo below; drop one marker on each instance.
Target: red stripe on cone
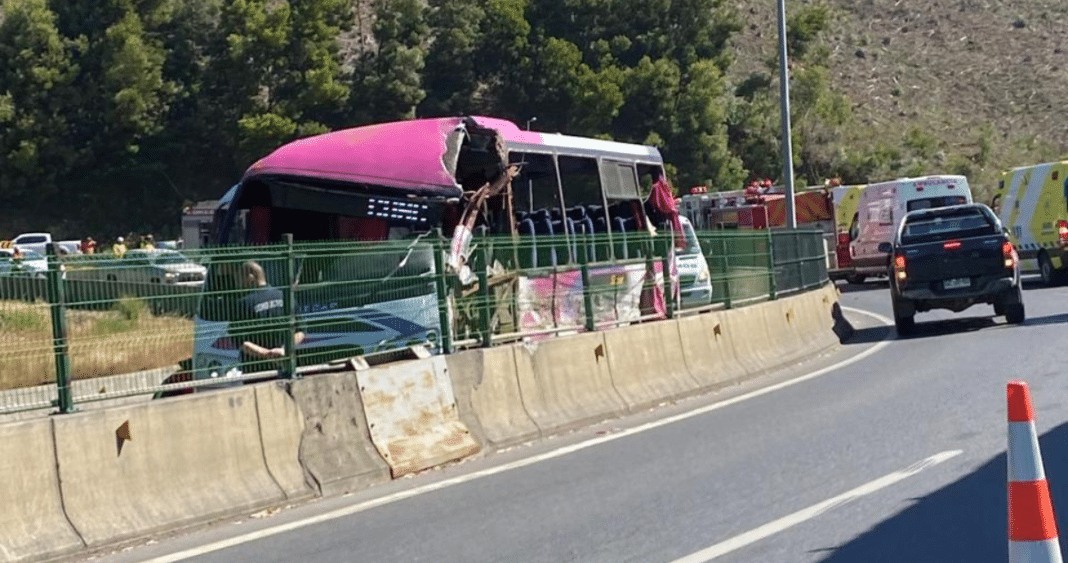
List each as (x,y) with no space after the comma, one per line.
(1031,512)
(1020,409)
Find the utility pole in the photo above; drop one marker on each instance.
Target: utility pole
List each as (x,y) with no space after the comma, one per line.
(784,95)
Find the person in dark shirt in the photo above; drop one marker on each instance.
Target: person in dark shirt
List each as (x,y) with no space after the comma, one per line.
(259,322)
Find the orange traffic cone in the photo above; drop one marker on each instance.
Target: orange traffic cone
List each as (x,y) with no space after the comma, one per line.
(1032,524)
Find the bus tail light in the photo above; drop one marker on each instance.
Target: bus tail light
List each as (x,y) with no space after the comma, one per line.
(1008,252)
(899,267)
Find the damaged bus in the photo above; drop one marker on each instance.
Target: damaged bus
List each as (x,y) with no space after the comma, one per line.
(406,188)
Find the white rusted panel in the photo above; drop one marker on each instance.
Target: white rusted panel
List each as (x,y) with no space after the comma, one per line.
(412,415)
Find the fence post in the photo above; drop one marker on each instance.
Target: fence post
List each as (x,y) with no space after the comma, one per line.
(727,285)
(57,304)
(587,297)
(483,303)
(669,286)
(288,298)
(442,291)
(772,286)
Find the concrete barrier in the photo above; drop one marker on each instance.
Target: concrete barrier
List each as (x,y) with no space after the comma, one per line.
(707,350)
(566,383)
(32,523)
(746,332)
(281,426)
(786,326)
(129,471)
(336,452)
(647,364)
(412,415)
(817,313)
(487,393)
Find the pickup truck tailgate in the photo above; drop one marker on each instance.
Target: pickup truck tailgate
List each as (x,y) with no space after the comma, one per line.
(958,258)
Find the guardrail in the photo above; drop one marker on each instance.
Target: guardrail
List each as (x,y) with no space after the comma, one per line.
(67,332)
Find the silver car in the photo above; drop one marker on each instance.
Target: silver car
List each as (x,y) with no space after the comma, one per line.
(155,266)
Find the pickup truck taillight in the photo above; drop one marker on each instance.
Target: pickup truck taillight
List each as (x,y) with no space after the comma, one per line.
(899,267)
(1062,231)
(1009,253)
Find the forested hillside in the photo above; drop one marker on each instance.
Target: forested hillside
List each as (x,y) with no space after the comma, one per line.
(116,113)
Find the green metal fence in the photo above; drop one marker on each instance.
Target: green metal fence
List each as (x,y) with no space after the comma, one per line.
(100,327)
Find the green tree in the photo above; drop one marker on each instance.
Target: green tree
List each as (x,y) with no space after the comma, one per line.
(35,68)
(387,81)
(275,73)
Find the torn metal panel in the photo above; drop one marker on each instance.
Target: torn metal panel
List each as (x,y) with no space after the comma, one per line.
(412,415)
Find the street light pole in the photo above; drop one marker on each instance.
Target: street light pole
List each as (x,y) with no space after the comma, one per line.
(784,96)
(531,120)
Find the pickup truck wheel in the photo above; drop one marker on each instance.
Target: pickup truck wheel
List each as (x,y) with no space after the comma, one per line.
(856,279)
(904,315)
(905,325)
(1014,313)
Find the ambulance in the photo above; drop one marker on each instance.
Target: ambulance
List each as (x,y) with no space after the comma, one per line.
(844,199)
(1032,203)
(880,208)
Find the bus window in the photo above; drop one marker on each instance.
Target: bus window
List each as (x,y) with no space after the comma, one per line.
(583,198)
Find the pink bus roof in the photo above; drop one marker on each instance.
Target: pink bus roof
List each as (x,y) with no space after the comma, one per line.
(412,154)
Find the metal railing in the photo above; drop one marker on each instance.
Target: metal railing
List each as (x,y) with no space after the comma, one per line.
(99,327)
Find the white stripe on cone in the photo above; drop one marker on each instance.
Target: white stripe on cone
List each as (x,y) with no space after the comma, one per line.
(1024,465)
(1046,551)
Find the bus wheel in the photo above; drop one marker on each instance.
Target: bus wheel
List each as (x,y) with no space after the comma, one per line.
(1050,275)
(856,279)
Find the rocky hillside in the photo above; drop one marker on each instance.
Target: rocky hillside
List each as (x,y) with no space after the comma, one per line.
(987,79)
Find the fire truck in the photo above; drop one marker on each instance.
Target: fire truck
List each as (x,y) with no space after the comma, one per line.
(763,206)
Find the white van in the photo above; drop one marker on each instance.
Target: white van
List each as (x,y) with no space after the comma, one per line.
(695,282)
(881,208)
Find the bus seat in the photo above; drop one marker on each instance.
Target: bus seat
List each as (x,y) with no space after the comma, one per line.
(577,212)
(527,255)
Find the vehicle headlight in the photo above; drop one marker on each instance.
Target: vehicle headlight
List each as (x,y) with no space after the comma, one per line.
(171,276)
(702,274)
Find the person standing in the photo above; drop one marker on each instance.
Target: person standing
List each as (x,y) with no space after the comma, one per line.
(119,248)
(259,322)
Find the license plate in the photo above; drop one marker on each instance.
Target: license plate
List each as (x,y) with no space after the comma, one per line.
(955,283)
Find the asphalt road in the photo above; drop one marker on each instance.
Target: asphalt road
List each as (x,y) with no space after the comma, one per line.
(897,456)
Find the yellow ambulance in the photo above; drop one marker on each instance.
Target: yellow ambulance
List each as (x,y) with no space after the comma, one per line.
(1032,203)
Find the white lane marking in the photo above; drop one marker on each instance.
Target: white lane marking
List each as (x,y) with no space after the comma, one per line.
(776,526)
(366,505)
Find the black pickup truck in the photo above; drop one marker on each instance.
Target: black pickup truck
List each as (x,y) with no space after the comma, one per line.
(952,258)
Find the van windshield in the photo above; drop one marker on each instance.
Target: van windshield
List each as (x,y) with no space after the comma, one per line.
(692,246)
(931,202)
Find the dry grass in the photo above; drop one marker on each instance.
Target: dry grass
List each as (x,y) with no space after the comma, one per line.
(983,78)
(125,339)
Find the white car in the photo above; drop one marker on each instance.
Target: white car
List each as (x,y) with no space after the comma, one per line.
(32,264)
